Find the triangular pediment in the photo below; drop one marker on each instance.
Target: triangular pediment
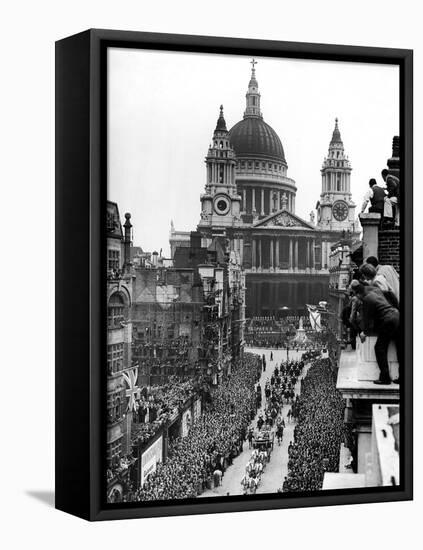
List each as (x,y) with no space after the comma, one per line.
(283,218)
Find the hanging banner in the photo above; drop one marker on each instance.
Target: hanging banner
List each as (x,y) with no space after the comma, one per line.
(197,408)
(150,458)
(186,422)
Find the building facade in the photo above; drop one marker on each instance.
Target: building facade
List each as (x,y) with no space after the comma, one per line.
(122,370)
(250,199)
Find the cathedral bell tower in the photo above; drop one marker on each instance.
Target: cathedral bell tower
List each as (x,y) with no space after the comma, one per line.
(220,204)
(336,209)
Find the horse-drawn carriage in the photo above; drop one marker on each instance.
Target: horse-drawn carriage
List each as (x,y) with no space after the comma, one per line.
(263,441)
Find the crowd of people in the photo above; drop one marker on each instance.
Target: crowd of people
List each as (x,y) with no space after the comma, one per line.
(214,440)
(154,408)
(319,432)
(373,309)
(279,333)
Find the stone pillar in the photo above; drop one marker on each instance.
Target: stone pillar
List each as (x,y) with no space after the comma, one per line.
(244,200)
(313,254)
(254,253)
(127,242)
(296,254)
(278,207)
(277,254)
(262,202)
(253,199)
(291,263)
(259,254)
(271,263)
(370,224)
(308,254)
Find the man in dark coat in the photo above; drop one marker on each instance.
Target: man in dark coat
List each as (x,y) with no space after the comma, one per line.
(382,318)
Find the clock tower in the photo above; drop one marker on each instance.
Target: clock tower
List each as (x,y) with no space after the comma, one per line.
(220,204)
(336,209)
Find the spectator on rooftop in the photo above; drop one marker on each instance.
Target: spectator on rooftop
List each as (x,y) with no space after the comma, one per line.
(387,271)
(381,317)
(376,196)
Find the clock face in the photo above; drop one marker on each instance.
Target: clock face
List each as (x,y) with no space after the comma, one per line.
(340,211)
(221,205)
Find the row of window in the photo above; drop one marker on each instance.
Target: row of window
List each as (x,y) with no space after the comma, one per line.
(114,358)
(257,165)
(337,163)
(113,259)
(114,452)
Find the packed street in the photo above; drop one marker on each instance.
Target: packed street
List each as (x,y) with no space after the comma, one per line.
(276,470)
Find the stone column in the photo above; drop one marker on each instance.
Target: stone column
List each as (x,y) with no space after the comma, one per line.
(291,263)
(244,200)
(262,202)
(313,254)
(253,199)
(277,254)
(308,254)
(278,207)
(271,263)
(254,254)
(259,254)
(296,254)
(370,224)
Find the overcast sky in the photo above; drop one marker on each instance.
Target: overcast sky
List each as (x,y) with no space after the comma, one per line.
(163,108)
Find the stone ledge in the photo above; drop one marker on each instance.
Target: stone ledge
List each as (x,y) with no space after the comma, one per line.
(352,386)
(333,480)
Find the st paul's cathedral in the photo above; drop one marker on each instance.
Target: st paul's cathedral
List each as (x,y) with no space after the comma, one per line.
(250,199)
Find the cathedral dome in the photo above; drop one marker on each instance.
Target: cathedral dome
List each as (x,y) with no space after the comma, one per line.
(253,138)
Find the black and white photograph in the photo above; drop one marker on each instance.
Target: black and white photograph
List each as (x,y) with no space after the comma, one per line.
(253,276)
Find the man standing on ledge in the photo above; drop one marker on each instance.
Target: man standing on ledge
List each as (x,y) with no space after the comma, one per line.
(379,316)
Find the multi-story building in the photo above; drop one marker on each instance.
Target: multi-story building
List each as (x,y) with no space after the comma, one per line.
(167,319)
(250,200)
(122,372)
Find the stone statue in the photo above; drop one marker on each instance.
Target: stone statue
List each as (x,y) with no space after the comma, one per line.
(284,201)
(312,215)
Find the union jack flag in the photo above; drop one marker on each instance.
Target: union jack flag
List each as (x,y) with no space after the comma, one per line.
(132,392)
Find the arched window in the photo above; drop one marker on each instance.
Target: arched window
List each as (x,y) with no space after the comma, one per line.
(115,311)
(221,144)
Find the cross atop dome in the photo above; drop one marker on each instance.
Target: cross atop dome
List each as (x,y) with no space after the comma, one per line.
(253,96)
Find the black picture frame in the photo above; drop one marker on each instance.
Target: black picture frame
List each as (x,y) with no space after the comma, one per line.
(81,150)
